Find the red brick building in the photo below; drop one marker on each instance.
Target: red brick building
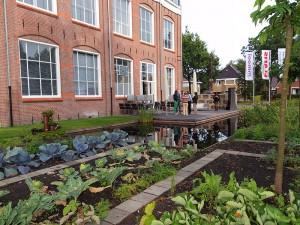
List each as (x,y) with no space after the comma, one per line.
(83,57)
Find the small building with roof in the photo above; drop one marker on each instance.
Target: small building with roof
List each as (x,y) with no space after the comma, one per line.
(226,79)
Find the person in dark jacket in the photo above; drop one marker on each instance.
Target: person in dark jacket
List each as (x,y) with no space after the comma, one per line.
(216,99)
(195,100)
(176,100)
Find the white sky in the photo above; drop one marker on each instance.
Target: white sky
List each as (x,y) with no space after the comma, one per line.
(224,25)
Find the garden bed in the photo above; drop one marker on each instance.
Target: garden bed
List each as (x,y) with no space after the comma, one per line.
(243,166)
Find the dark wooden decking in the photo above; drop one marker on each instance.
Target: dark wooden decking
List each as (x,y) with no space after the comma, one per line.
(194,119)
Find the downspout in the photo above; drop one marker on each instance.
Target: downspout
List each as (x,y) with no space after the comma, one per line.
(110,54)
(8,65)
(160,52)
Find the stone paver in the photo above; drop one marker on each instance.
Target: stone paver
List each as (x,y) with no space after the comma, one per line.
(2,184)
(130,206)
(105,223)
(166,183)
(202,162)
(182,173)
(13,180)
(156,190)
(192,167)
(116,216)
(144,198)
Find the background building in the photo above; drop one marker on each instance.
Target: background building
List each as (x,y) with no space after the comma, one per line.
(81,58)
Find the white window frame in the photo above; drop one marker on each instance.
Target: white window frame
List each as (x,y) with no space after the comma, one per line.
(218,82)
(96,10)
(153,78)
(142,7)
(57,71)
(34,5)
(99,74)
(172,79)
(131,76)
(173,34)
(120,22)
(234,81)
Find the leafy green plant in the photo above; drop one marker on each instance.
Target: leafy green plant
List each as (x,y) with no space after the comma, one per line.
(85,168)
(209,188)
(100,163)
(107,176)
(148,217)
(50,151)
(67,173)
(73,187)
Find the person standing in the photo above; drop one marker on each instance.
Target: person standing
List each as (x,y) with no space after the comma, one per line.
(216,99)
(179,102)
(184,100)
(175,98)
(189,103)
(195,100)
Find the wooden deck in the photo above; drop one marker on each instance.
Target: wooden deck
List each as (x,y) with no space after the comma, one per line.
(168,118)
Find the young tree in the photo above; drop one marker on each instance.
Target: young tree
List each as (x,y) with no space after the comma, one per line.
(195,56)
(284,15)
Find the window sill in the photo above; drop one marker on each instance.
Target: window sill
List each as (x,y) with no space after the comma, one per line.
(33,8)
(29,100)
(85,25)
(121,98)
(88,98)
(148,44)
(123,36)
(169,50)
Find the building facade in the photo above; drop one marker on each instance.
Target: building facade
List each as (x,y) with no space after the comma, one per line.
(81,58)
(226,79)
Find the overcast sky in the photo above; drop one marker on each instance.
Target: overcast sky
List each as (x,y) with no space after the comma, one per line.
(224,25)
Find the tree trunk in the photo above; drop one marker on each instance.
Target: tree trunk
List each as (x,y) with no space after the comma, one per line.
(282,129)
(299,101)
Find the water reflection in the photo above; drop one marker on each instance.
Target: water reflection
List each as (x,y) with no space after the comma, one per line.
(177,136)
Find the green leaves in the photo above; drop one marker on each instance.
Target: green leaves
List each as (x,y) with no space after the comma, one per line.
(148,218)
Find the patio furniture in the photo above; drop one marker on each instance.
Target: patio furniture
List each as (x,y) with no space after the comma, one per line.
(128,108)
(122,108)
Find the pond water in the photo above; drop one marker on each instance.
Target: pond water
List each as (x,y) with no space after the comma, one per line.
(177,136)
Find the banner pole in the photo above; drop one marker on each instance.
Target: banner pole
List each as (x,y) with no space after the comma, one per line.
(253,76)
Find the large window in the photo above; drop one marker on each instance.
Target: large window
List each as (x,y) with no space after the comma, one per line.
(85,11)
(146,20)
(169,81)
(123,77)
(49,5)
(168,34)
(147,78)
(39,69)
(122,17)
(86,74)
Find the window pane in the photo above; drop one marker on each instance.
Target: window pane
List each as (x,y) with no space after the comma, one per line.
(82,74)
(42,4)
(24,68)
(53,71)
(34,85)
(90,74)
(22,50)
(32,51)
(24,86)
(90,60)
(33,68)
(91,88)
(83,88)
(45,70)
(46,87)
(53,55)
(44,53)
(30,2)
(82,59)
(54,86)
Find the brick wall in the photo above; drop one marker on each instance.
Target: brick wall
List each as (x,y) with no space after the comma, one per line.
(37,25)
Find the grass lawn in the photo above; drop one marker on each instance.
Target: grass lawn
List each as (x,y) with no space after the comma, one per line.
(8,132)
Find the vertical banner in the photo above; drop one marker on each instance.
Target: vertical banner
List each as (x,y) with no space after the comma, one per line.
(249,73)
(281,56)
(266,61)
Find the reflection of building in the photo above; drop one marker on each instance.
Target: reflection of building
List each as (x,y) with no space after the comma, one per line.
(82,58)
(227,79)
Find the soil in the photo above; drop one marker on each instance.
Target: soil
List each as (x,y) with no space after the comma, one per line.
(244,167)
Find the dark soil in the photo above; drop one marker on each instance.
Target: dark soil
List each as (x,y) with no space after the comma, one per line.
(244,167)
